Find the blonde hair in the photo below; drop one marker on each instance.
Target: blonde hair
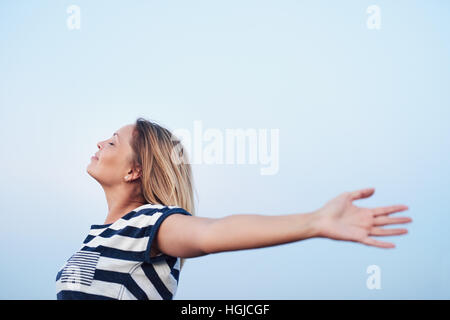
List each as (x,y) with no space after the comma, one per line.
(166,175)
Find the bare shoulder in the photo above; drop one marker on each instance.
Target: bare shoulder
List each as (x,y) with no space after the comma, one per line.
(179,234)
(169,224)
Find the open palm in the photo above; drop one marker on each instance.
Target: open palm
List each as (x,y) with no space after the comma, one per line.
(340,219)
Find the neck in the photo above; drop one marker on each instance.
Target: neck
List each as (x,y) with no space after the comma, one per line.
(121,200)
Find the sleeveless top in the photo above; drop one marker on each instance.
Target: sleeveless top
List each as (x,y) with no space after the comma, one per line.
(114,261)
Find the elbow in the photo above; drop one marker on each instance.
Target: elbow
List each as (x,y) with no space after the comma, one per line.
(197,239)
(204,246)
(206,243)
(199,246)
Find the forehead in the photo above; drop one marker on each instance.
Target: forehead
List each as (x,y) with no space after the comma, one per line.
(126,128)
(125,132)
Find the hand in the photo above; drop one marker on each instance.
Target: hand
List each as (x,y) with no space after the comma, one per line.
(340,219)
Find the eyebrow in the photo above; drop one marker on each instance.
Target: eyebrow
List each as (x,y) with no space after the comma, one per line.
(116,134)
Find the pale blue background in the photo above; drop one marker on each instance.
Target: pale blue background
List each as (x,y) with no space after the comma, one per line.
(355,107)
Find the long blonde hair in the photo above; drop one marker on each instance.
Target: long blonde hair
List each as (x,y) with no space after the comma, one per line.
(166,175)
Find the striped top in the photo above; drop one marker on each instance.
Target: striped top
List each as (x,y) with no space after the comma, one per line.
(114,261)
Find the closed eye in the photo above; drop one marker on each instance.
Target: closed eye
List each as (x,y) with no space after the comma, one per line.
(111,143)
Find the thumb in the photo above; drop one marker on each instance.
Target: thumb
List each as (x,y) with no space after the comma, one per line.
(361,193)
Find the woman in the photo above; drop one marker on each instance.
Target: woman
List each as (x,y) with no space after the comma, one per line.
(147,178)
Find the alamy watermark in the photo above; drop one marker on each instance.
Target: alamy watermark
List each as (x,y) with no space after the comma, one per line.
(229,146)
(374,19)
(74,19)
(374,280)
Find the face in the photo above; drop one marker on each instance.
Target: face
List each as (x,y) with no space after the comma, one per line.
(112,162)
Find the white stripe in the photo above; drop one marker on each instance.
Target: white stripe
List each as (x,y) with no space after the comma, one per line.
(145,284)
(87,254)
(163,271)
(82,260)
(142,220)
(98,287)
(78,269)
(120,242)
(117,265)
(177,264)
(71,280)
(127,295)
(150,205)
(139,221)
(76,277)
(81,264)
(94,232)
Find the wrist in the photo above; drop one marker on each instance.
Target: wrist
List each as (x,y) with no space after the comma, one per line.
(307,225)
(316,224)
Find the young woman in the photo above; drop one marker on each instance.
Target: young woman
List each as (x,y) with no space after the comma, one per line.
(139,250)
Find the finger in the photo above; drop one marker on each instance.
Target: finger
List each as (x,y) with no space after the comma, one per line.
(382,220)
(362,193)
(377,243)
(375,231)
(383,211)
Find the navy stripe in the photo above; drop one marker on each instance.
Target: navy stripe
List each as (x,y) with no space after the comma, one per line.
(85,262)
(82,263)
(76,295)
(77,268)
(89,255)
(86,256)
(84,259)
(58,275)
(171,261)
(83,276)
(88,238)
(147,212)
(175,273)
(75,277)
(151,273)
(117,253)
(121,278)
(131,214)
(128,231)
(100,226)
(78,281)
(79,275)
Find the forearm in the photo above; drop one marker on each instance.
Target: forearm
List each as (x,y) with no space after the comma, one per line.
(247,231)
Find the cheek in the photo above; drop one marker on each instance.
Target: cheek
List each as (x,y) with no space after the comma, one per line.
(107,162)
(111,164)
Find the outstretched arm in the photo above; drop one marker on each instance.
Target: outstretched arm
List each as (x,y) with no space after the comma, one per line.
(339,219)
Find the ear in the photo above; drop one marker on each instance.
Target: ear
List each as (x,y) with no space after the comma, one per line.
(135,173)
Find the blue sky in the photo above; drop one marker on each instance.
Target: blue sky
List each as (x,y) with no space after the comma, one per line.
(355,108)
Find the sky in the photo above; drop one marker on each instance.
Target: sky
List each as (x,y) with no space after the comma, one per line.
(357,92)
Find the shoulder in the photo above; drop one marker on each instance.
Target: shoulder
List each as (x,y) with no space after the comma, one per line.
(152,214)
(153,209)
(149,219)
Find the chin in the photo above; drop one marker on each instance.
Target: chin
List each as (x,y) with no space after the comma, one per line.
(89,171)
